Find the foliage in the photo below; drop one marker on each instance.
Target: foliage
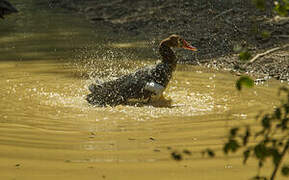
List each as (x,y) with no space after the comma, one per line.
(244,81)
(244,55)
(270,142)
(260,4)
(208,152)
(281,7)
(285,170)
(265,34)
(273,139)
(178,156)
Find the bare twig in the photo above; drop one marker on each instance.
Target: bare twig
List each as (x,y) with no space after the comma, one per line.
(281,20)
(266,52)
(222,13)
(281,36)
(236,27)
(277,20)
(263,54)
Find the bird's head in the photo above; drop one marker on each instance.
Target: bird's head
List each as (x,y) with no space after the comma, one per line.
(178,42)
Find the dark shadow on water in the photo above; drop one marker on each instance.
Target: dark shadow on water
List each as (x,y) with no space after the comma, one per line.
(40,32)
(159,103)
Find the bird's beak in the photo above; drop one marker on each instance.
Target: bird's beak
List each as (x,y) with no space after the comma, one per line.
(188,46)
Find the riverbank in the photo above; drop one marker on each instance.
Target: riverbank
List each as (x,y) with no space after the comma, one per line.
(219,29)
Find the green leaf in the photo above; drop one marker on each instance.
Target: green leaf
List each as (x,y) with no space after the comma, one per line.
(176,156)
(285,170)
(260,4)
(266,122)
(234,131)
(211,153)
(232,145)
(266,34)
(261,151)
(286,2)
(281,9)
(244,81)
(244,55)
(246,155)
(208,151)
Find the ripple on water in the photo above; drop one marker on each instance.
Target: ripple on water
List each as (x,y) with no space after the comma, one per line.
(48,110)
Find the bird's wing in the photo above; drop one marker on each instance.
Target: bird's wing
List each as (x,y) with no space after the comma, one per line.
(154,87)
(130,86)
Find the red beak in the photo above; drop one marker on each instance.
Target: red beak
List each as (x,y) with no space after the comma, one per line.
(188,46)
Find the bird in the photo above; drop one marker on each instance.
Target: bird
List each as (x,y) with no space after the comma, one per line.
(143,84)
(6,8)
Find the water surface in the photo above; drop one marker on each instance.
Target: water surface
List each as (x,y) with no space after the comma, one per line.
(48,130)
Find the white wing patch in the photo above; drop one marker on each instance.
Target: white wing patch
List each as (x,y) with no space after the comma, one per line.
(154,87)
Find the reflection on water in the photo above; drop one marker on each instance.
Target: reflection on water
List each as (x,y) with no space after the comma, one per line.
(47,126)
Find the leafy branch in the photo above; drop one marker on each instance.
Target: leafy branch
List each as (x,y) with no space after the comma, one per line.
(273,139)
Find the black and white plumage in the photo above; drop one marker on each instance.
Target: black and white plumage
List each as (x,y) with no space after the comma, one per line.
(142,84)
(6,8)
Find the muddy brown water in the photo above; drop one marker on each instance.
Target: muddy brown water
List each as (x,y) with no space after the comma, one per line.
(48,130)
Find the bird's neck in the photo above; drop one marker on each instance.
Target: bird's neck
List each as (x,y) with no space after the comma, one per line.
(168,56)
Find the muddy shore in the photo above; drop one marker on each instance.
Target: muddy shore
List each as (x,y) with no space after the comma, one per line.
(220,29)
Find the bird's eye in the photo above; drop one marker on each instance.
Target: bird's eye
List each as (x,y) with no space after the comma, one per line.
(180,42)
